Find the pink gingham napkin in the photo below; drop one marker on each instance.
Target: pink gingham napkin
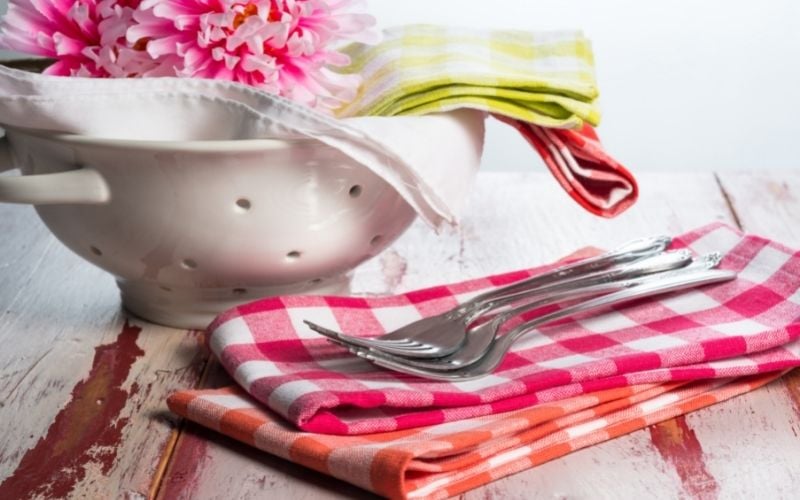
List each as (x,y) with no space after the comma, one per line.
(743,327)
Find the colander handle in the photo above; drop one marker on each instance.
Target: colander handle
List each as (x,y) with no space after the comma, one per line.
(81,186)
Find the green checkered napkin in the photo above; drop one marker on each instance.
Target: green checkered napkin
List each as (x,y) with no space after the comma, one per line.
(542,78)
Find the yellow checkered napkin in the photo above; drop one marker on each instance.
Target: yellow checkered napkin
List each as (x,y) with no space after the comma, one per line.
(542,78)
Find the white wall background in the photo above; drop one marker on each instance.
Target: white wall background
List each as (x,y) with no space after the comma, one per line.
(684,84)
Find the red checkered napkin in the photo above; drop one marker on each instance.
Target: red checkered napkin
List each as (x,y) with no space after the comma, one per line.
(581,165)
(742,327)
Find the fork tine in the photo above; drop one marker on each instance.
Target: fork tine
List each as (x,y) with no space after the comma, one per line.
(344,338)
(323,331)
(348,340)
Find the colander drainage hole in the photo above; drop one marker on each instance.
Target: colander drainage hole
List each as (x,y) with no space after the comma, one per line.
(244,204)
(239,291)
(376,239)
(293,255)
(189,264)
(355,191)
(95,250)
(315,281)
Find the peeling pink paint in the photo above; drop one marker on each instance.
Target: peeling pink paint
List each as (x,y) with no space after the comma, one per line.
(86,431)
(185,465)
(677,443)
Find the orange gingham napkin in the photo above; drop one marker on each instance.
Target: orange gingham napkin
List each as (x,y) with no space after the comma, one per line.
(447,459)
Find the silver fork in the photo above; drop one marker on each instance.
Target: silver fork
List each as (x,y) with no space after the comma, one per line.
(500,345)
(415,338)
(481,337)
(439,342)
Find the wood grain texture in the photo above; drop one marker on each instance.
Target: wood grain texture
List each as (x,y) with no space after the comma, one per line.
(82,388)
(518,220)
(766,202)
(78,363)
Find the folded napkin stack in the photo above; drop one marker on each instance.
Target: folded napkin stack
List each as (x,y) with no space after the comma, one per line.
(541,83)
(569,385)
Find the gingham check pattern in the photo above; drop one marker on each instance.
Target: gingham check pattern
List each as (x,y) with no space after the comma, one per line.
(743,327)
(447,459)
(577,160)
(546,78)
(541,83)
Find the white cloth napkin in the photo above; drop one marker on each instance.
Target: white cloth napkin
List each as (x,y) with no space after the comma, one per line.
(407,152)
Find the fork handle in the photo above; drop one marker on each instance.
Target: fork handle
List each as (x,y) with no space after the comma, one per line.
(659,263)
(679,281)
(664,265)
(628,252)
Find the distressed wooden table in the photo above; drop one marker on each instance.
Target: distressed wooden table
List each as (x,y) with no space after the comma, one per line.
(82,386)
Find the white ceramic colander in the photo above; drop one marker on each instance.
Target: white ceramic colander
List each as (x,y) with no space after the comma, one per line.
(191,228)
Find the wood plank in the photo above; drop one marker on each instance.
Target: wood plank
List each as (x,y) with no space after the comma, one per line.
(768,447)
(82,387)
(766,202)
(513,221)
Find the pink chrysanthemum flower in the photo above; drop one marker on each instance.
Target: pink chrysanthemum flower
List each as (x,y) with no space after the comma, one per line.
(86,37)
(281,46)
